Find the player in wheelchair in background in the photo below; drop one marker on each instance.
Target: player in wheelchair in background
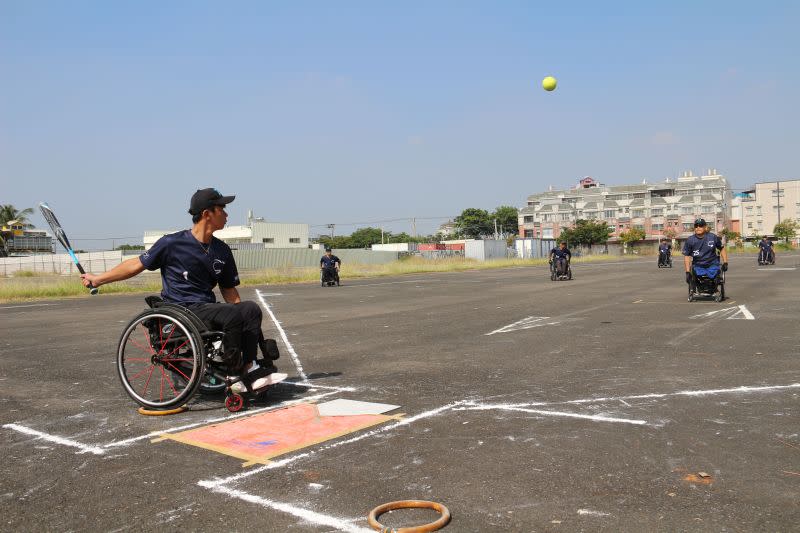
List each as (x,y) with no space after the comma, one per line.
(193,330)
(329,268)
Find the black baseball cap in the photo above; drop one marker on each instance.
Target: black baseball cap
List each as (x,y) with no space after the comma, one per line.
(699,222)
(206,199)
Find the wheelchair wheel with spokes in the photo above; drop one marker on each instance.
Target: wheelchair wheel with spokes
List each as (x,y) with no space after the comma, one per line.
(161,359)
(211,383)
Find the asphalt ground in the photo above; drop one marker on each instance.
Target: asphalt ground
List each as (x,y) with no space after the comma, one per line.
(597,411)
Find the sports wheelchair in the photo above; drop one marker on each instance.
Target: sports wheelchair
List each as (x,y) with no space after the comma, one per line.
(329,276)
(167,354)
(706,287)
(766,257)
(566,274)
(664,260)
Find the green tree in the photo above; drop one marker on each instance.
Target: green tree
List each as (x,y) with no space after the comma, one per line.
(507,219)
(365,237)
(405,237)
(786,230)
(631,236)
(474,223)
(730,236)
(8,213)
(586,232)
(339,241)
(130,247)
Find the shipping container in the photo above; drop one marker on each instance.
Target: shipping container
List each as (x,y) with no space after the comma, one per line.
(430,246)
(396,247)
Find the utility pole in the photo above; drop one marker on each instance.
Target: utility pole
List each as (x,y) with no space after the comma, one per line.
(495,229)
(778,192)
(381,234)
(331,226)
(413,227)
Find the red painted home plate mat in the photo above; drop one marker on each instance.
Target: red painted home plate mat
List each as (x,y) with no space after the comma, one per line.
(258,438)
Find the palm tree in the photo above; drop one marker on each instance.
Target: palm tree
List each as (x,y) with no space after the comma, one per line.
(8,213)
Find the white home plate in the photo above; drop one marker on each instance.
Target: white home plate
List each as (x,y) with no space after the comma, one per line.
(343,407)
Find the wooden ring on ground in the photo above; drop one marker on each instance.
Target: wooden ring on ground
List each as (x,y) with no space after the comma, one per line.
(155,412)
(409,504)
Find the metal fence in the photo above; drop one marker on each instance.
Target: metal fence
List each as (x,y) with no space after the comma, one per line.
(533,248)
(302,257)
(245,260)
(60,263)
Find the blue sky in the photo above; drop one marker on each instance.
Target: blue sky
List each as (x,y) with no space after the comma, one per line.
(317,112)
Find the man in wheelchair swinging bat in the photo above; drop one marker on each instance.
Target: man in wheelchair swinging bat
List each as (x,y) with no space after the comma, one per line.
(190,340)
(702,253)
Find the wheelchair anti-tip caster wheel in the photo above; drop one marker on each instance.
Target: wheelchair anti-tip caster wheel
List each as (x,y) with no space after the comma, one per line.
(234,403)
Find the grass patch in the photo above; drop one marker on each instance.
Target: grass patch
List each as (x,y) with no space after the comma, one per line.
(50,286)
(753,250)
(30,274)
(54,286)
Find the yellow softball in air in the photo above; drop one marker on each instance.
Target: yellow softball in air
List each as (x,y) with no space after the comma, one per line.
(549,83)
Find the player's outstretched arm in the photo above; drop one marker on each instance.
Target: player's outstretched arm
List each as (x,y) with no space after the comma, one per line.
(126,269)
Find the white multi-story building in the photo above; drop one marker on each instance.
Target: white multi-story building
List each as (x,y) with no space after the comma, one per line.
(768,203)
(256,231)
(661,208)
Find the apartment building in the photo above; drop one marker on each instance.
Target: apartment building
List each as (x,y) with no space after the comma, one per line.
(668,206)
(766,204)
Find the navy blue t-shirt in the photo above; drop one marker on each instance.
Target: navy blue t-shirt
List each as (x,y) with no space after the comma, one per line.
(329,262)
(703,251)
(190,269)
(561,254)
(765,245)
(664,248)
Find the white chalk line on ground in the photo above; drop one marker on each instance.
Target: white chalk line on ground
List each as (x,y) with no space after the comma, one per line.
(311,385)
(84,448)
(249,412)
(596,418)
(526,323)
(709,392)
(393,282)
(590,512)
(283,462)
(286,342)
(735,313)
(312,517)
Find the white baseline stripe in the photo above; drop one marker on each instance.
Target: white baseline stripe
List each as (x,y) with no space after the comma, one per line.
(311,385)
(393,282)
(740,390)
(212,420)
(596,418)
(84,448)
(283,462)
(288,344)
(312,517)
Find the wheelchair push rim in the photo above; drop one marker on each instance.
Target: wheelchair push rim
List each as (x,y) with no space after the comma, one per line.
(160,360)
